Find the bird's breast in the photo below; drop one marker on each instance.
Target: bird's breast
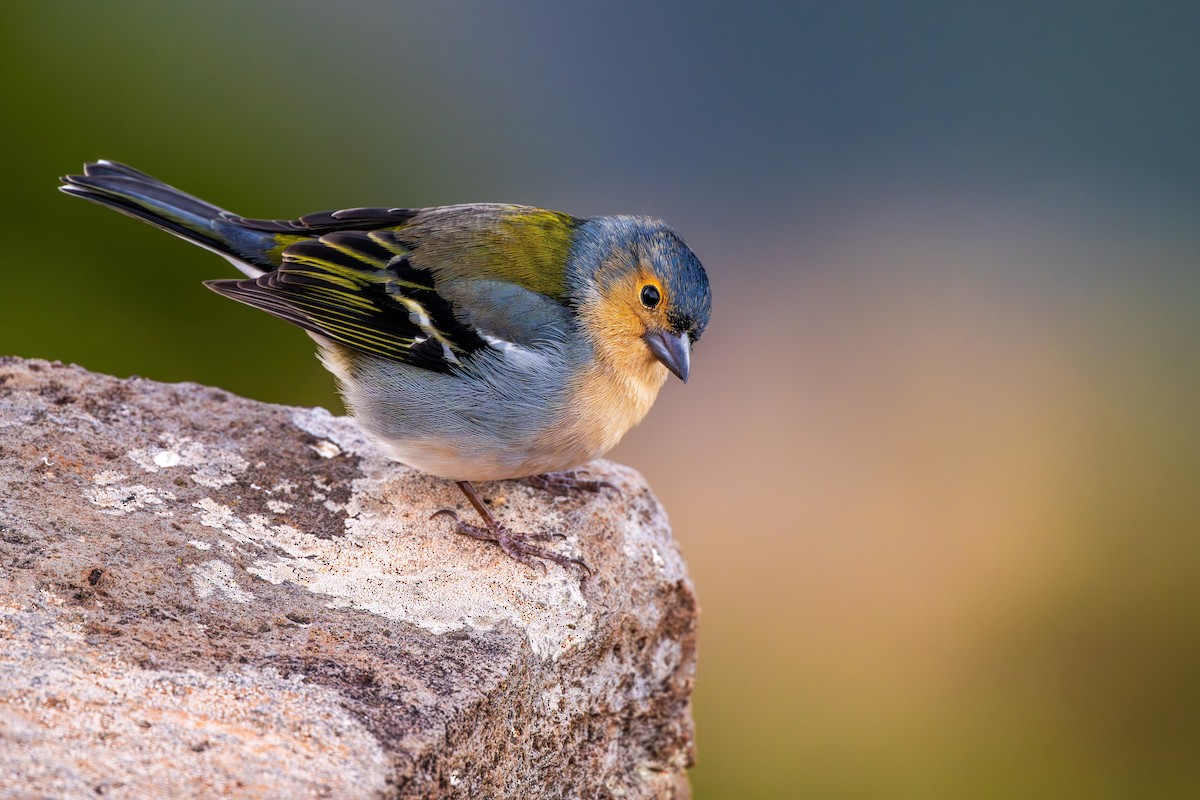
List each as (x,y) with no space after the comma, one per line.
(602,405)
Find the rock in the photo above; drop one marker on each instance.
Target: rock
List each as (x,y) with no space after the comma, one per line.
(201,595)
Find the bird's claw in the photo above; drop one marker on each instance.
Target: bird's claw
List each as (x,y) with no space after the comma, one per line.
(516,545)
(562,484)
(447,512)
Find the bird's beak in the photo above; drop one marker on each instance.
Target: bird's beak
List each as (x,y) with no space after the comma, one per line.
(674,350)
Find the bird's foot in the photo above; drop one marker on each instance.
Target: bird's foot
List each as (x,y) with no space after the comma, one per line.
(517,545)
(563,483)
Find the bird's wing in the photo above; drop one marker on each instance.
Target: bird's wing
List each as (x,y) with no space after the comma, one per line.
(423,293)
(522,245)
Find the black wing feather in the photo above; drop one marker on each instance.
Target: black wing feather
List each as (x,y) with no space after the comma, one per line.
(346,219)
(359,289)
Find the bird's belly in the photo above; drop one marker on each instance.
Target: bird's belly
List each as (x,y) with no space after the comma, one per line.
(480,432)
(582,432)
(483,464)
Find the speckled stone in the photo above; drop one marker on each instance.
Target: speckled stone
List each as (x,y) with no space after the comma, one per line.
(202,596)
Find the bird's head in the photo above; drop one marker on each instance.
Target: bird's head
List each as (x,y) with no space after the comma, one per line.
(645,297)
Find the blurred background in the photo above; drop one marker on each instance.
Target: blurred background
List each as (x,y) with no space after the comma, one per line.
(936,473)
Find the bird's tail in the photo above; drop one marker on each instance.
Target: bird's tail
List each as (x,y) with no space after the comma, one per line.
(139,195)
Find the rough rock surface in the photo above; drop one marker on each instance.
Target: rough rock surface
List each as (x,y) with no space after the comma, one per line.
(202,595)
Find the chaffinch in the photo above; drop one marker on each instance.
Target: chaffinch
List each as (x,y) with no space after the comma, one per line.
(473,342)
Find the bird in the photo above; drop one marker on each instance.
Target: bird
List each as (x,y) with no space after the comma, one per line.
(474,342)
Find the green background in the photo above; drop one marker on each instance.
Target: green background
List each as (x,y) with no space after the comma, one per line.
(936,471)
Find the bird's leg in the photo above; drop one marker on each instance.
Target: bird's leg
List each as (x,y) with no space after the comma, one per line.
(562,483)
(516,545)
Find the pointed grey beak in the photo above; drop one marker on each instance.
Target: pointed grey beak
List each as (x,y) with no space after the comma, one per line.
(674,350)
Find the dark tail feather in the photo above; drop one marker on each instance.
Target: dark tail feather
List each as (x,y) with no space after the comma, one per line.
(139,195)
(253,245)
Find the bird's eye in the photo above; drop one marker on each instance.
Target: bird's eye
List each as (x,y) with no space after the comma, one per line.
(650,296)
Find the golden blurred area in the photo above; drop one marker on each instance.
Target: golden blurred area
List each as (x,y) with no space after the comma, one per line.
(940,514)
